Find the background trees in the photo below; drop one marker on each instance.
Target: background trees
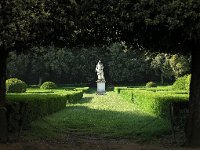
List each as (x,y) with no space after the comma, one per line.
(180,64)
(123,65)
(161,65)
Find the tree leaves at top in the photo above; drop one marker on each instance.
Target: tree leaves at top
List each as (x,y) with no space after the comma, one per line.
(156,24)
(31,22)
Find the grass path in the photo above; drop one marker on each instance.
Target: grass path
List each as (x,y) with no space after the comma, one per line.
(106,116)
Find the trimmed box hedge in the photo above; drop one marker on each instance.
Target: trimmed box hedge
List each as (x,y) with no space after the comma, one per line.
(24,108)
(84,89)
(154,102)
(71,96)
(118,89)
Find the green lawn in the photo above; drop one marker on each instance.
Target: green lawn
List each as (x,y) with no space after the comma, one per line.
(107,116)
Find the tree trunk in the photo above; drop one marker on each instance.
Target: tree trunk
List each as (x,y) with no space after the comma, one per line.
(162,78)
(193,125)
(3,110)
(40,81)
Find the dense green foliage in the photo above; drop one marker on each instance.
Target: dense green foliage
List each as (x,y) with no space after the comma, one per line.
(123,64)
(180,65)
(165,25)
(48,85)
(182,83)
(73,96)
(160,25)
(37,105)
(14,85)
(151,84)
(162,66)
(25,23)
(127,64)
(24,108)
(154,102)
(154,24)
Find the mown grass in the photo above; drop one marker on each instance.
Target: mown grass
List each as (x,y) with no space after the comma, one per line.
(106,116)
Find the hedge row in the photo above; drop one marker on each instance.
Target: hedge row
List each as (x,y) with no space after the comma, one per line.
(118,89)
(154,102)
(83,89)
(24,108)
(182,83)
(71,96)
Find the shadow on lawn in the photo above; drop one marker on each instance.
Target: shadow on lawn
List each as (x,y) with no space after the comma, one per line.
(91,90)
(85,100)
(85,120)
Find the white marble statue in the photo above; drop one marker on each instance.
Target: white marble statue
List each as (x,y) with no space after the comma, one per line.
(99,70)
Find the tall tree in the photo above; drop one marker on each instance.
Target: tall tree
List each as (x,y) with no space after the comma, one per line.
(25,23)
(173,26)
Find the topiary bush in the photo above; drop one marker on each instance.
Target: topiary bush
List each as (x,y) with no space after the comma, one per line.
(14,85)
(182,83)
(151,84)
(48,85)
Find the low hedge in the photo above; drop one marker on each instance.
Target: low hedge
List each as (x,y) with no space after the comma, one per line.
(24,108)
(127,95)
(83,89)
(153,102)
(118,89)
(71,96)
(33,106)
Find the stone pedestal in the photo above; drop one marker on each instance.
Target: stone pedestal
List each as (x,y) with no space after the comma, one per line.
(101,87)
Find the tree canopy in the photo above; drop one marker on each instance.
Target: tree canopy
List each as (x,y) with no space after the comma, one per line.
(156,24)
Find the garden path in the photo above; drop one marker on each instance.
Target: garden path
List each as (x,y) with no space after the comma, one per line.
(97,122)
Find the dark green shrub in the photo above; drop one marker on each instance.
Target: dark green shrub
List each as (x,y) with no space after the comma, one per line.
(151,84)
(48,85)
(33,106)
(182,83)
(74,97)
(71,96)
(24,108)
(153,102)
(14,85)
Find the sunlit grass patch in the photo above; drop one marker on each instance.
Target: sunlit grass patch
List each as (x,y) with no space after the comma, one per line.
(107,116)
